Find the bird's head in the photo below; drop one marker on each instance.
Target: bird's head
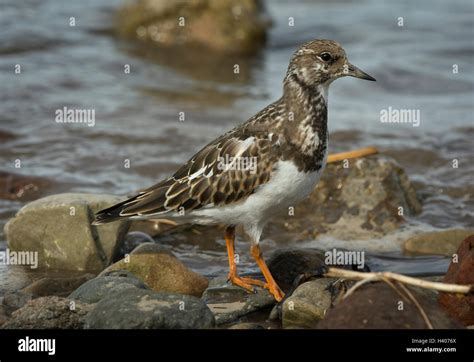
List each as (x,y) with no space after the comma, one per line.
(319,62)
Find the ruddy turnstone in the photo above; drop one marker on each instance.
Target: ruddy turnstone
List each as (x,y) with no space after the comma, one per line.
(260,168)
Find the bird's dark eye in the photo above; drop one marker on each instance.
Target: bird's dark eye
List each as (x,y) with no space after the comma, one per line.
(326,57)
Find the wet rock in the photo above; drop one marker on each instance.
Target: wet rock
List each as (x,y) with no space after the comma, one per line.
(162,272)
(444,242)
(145,309)
(287,264)
(358,202)
(232,27)
(130,242)
(152,247)
(228,303)
(59,229)
(15,300)
(458,306)
(247,326)
(98,288)
(60,287)
(307,305)
(377,306)
(49,313)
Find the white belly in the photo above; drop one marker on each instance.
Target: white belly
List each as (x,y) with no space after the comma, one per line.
(286,188)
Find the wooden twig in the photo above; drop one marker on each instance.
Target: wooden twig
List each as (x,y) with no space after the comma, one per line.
(362,152)
(166,221)
(373,276)
(358,285)
(414,300)
(394,287)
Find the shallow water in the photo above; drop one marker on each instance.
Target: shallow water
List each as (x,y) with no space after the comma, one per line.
(137,113)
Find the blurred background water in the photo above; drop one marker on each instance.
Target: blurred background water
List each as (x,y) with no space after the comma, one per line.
(137,113)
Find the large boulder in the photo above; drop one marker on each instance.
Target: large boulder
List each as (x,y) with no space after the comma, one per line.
(144,309)
(232,27)
(460,271)
(49,313)
(59,229)
(161,271)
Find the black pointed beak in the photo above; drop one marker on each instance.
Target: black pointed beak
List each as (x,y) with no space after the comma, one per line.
(353,71)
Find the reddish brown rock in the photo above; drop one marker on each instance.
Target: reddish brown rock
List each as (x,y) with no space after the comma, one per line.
(460,307)
(377,306)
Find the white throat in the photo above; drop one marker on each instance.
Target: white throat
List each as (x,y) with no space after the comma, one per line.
(323,89)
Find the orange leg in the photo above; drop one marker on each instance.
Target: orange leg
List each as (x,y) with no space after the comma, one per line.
(271,285)
(243,282)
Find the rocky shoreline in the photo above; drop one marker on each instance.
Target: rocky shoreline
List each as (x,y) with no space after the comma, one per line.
(121,299)
(124,277)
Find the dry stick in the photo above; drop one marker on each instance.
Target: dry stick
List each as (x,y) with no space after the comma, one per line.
(166,221)
(414,300)
(358,285)
(400,279)
(442,287)
(394,287)
(362,152)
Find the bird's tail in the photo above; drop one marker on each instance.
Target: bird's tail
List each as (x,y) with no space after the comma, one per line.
(110,214)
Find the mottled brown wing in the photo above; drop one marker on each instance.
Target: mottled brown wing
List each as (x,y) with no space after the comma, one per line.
(217,175)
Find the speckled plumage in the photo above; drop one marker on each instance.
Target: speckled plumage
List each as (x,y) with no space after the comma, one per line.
(288,139)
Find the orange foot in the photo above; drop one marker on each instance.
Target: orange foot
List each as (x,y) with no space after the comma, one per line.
(275,290)
(246,283)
